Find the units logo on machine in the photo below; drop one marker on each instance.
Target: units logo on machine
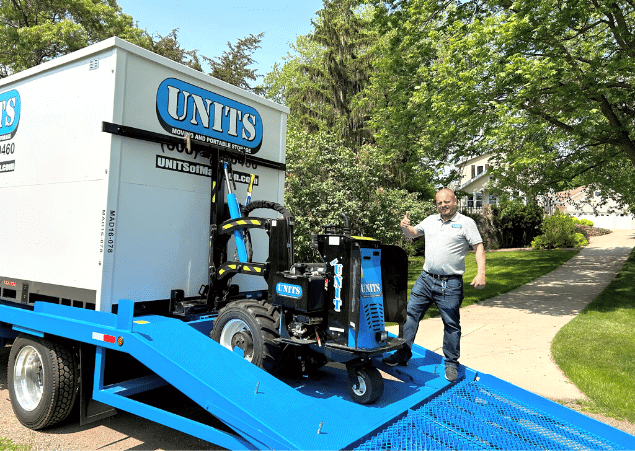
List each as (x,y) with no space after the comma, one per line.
(370,289)
(337,284)
(289,290)
(187,110)
(10,107)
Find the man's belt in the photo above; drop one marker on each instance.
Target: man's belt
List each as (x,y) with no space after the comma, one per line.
(444,277)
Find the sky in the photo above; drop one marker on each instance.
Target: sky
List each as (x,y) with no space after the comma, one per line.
(207,25)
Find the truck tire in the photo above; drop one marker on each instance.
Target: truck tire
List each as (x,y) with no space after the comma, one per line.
(43,378)
(251,326)
(370,386)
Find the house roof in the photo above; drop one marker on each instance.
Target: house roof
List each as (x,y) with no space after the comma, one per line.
(477,157)
(473,179)
(563,196)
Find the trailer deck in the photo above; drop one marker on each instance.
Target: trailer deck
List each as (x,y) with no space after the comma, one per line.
(419,408)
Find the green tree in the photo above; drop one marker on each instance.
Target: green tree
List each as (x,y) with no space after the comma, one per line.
(292,85)
(342,31)
(545,85)
(333,166)
(169,47)
(323,82)
(36,31)
(233,65)
(402,52)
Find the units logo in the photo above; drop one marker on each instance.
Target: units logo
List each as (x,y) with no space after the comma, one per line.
(289,290)
(187,110)
(337,284)
(10,106)
(370,289)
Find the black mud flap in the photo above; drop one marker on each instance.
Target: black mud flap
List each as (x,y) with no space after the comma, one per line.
(394,277)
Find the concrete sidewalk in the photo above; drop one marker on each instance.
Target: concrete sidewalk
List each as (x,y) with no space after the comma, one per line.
(510,336)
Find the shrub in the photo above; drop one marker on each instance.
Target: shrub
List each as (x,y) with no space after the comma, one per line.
(325,178)
(579,240)
(584,222)
(558,231)
(515,224)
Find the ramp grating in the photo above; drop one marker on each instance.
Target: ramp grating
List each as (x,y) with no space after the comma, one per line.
(472,415)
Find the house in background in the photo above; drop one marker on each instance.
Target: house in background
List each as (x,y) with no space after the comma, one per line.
(580,202)
(474,181)
(584,203)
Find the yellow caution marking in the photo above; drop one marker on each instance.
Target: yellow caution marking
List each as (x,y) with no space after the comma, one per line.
(364,238)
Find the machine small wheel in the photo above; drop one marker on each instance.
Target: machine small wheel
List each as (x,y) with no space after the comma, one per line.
(369,387)
(43,379)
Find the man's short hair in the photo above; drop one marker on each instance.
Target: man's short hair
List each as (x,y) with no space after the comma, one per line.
(445,189)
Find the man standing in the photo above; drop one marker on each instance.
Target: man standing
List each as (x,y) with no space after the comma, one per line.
(448,238)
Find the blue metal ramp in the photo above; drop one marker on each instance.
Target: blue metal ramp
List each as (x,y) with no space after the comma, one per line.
(474,416)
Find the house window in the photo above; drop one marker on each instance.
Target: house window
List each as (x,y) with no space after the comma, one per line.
(477,170)
(478,200)
(492,199)
(475,200)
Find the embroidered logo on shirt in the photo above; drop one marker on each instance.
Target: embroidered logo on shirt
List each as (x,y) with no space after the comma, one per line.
(456,226)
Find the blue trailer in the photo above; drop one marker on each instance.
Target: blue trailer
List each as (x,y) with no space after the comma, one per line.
(419,408)
(128,263)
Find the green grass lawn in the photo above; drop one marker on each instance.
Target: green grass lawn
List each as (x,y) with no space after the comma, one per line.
(596,350)
(504,272)
(8,445)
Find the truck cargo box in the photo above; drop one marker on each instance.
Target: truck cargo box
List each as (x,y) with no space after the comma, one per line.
(89,217)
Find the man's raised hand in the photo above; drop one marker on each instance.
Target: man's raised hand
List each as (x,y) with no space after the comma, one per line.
(405,222)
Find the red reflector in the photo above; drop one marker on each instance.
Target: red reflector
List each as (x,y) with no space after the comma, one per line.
(103,337)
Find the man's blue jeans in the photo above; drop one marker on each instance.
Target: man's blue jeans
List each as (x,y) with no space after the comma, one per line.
(448,296)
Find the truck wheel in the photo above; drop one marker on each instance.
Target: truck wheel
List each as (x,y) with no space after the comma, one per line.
(251,326)
(370,386)
(43,379)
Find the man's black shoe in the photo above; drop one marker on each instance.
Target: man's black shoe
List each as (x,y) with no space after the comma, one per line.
(399,357)
(451,373)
